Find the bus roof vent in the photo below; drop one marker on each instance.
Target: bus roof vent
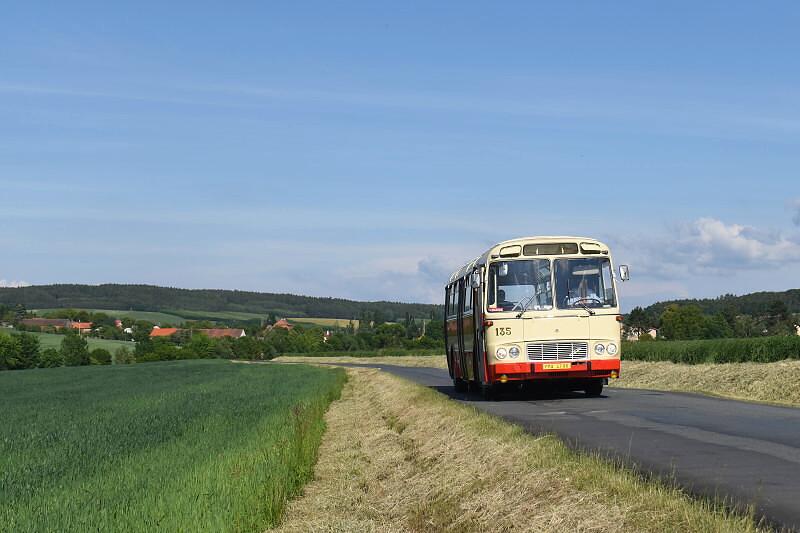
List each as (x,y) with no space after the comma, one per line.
(511,251)
(590,248)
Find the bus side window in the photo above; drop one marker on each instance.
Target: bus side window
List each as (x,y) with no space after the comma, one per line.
(467,296)
(449,309)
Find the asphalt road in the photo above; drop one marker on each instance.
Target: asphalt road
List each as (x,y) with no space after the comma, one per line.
(746,453)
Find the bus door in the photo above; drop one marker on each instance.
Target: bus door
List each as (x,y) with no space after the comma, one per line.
(466,369)
(468,327)
(478,330)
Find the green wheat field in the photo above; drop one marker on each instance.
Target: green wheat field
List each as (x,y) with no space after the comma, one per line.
(176,446)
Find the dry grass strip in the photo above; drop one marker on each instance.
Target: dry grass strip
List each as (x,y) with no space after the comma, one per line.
(400,457)
(763,382)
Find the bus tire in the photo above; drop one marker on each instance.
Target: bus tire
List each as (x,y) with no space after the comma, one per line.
(459,385)
(594,388)
(488,392)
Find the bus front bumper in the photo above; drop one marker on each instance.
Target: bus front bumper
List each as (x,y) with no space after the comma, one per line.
(600,368)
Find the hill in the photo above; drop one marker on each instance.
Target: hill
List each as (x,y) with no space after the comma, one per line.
(756,303)
(167,299)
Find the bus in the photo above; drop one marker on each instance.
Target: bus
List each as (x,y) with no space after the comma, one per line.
(535,309)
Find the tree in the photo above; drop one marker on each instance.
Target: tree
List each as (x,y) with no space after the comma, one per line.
(28,350)
(74,350)
(685,322)
(639,321)
(9,352)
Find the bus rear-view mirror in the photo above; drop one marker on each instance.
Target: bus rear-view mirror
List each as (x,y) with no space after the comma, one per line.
(624,273)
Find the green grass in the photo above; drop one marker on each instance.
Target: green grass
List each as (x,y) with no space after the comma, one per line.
(150,316)
(755,349)
(218,315)
(53,340)
(324,322)
(177,446)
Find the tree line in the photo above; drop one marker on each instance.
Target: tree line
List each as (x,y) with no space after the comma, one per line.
(753,304)
(168,299)
(21,350)
(690,322)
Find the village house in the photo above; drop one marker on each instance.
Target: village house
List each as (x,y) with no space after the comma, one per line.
(217,333)
(283,324)
(163,332)
(214,333)
(82,327)
(45,323)
(634,335)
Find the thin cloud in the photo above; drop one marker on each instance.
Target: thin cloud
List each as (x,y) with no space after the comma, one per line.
(11,284)
(795,205)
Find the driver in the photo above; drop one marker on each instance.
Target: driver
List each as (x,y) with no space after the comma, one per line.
(583,293)
(501,299)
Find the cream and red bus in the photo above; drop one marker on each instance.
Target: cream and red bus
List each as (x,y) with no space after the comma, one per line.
(533,309)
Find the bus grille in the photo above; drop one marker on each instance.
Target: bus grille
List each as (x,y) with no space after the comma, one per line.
(555,351)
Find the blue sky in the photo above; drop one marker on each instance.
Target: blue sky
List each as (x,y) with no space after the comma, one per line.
(364,150)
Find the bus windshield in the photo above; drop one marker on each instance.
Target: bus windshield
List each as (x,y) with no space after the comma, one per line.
(584,283)
(516,285)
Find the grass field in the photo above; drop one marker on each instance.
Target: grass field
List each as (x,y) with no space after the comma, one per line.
(402,457)
(179,446)
(427,361)
(777,383)
(150,316)
(53,340)
(180,316)
(324,322)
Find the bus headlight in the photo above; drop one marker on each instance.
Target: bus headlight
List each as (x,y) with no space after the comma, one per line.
(599,349)
(513,352)
(501,353)
(611,348)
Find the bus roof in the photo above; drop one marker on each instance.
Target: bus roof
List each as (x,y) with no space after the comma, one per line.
(484,258)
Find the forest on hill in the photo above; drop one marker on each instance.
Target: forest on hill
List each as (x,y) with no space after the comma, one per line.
(757,303)
(153,298)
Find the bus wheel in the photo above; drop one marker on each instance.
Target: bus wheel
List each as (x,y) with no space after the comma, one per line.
(459,385)
(594,387)
(488,392)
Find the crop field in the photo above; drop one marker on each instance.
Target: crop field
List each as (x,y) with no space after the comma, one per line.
(53,340)
(218,315)
(754,349)
(203,445)
(324,322)
(150,316)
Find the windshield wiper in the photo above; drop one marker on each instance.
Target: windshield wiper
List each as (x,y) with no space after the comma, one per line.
(525,307)
(586,307)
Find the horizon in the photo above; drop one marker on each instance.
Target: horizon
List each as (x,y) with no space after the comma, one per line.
(720,296)
(366,152)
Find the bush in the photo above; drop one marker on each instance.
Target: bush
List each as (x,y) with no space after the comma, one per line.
(123,356)
(100,356)
(754,349)
(50,358)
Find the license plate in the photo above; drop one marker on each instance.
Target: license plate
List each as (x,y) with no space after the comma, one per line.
(556,366)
